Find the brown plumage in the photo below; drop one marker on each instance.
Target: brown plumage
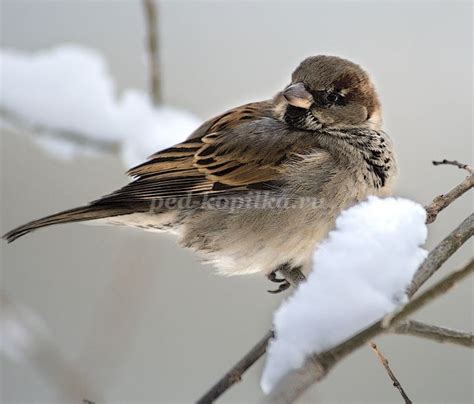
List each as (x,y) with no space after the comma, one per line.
(319,138)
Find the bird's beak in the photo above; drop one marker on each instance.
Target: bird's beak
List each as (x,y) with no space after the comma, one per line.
(297,96)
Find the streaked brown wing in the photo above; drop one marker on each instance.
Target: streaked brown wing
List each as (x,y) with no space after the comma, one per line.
(244,147)
(181,156)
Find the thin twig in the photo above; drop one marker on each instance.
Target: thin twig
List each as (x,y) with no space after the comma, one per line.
(151,22)
(317,366)
(390,373)
(434,333)
(234,375)
(443,201)
(456,163)
(426,331)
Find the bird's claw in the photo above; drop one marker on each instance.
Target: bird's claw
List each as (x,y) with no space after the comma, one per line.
(272,277)
(283,286)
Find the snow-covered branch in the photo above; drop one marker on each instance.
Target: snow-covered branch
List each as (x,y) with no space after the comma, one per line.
(67,138)
(433,262)
(66,98)
(317,367)
(361,272)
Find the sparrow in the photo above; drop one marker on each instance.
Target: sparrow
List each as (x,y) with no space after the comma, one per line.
(256,188)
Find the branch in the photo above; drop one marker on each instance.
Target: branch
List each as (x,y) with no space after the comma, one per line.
(434,333)
(456,163)
(318,366)
(443,201)
(234,375)
(434,261)
(442,252)
(390,373)
(13,122)
(438,289)
(151,19)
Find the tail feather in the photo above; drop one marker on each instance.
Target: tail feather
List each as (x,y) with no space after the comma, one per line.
(83,213)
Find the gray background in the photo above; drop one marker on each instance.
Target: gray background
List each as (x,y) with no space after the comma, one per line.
(139,317)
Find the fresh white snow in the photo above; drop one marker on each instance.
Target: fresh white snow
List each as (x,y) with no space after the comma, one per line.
(147,129)
(69,88)
(361,272)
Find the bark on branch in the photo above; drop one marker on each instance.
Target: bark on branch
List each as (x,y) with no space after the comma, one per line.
(443,201)
(234,375)
(442,252)
(455,163)
(151,19)
(434,333)
(390,373)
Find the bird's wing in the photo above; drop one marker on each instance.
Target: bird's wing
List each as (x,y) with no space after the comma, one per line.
(245,148)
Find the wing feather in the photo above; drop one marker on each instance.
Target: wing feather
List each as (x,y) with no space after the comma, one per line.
(237,151)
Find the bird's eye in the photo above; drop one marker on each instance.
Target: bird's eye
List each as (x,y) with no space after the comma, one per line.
(332,97)
(324,98)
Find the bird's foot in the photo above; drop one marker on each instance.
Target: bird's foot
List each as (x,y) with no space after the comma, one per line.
(283,283)
(272,277)
(282,287)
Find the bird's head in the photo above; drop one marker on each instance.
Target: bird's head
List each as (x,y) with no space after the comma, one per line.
(329,92)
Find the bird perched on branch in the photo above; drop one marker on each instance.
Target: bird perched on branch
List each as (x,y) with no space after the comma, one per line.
(256,188)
